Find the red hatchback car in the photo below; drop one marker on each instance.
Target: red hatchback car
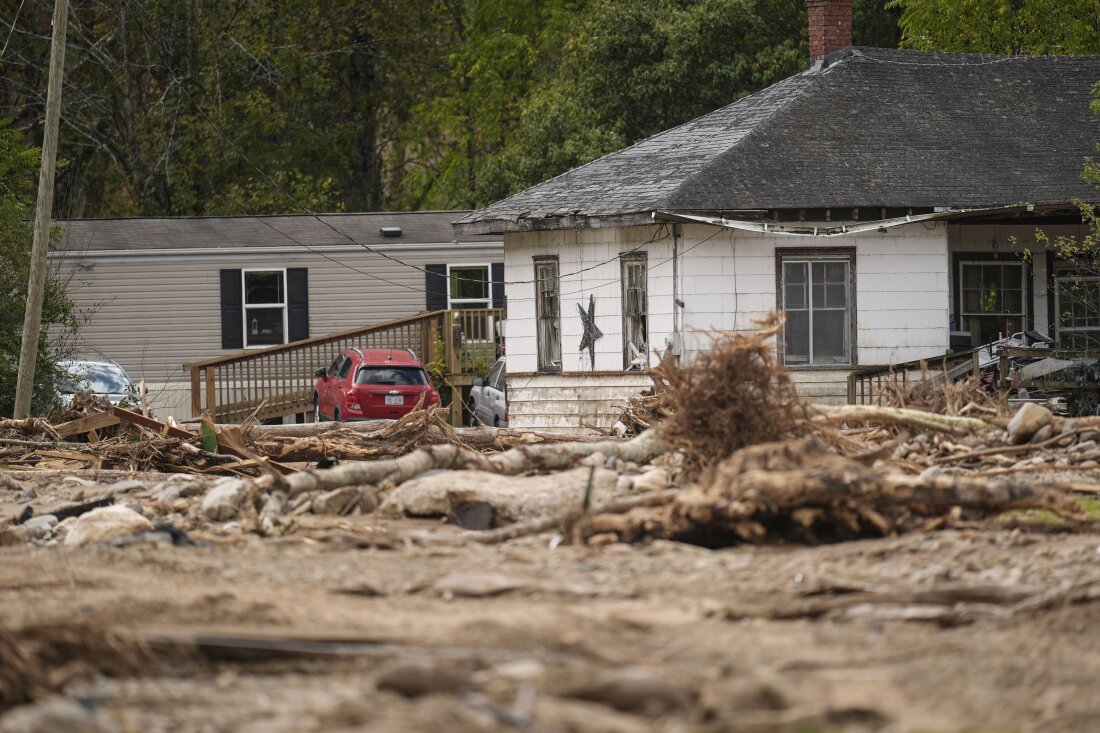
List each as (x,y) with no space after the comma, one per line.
(371,384)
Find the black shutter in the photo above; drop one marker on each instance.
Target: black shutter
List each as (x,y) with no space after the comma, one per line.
(497,270)
(435,283)
(232,315)
(297,303)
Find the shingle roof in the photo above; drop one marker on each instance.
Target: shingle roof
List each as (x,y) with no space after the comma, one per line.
(872,128)
(229,232)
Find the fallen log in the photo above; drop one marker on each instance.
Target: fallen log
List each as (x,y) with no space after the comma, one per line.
(548,457)
(902,416)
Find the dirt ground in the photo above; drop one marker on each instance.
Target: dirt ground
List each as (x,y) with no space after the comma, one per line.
(956,630)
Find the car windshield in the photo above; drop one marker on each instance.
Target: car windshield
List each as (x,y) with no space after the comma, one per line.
(98,378)
(391,375)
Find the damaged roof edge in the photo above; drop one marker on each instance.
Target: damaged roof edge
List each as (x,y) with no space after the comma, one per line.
(549,223)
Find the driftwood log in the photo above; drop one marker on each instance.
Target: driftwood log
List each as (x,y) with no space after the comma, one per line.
(902,416)
(393,471)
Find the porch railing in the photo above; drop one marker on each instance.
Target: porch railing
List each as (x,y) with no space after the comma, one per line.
(279,381)
(865,385)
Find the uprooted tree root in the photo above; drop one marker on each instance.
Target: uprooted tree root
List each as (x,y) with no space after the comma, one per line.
(798,491)
(729,396)
(38,661)
(935,391)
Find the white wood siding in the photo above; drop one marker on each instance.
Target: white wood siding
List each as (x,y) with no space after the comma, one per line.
(154,311)
(727,282)
(570,403)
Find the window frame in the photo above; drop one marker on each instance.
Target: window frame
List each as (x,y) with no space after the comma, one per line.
(547,366)
(818,254)
(627,259)
(986,257)
(463,303)
(1090,333)
(245,306)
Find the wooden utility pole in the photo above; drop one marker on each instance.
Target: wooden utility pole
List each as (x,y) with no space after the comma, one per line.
(36,283)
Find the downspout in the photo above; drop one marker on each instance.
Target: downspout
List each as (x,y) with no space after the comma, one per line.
(677,300)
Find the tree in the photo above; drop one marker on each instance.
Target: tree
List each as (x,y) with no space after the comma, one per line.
(18,172)
(1033,27)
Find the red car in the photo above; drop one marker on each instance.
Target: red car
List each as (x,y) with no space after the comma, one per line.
(371,384)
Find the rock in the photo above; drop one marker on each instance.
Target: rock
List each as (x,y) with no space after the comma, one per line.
(655,479)
(1044,433)
(224,499)
(625,484)
(477,515)
(596,459)
(337,502)
(55,715)
(1084,447)
(513,497)
(636,690)
(36,528)
(1027,421)
(478,585)
(415,679)
(106,523)
(123,487)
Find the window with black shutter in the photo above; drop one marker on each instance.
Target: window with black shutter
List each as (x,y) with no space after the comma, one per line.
(264,307)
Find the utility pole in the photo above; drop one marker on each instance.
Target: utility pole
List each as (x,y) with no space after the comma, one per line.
(36,283)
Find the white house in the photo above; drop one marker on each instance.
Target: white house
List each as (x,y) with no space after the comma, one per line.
(881,198)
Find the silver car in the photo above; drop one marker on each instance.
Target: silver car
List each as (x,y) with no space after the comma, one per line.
(489,399)
(104,378)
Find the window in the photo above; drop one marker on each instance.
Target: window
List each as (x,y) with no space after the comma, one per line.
(495,379)
(547,314)
(1078,308)
(264,307)
(816,297)
(384,375)
(635,314)
(469,286)
(992,299)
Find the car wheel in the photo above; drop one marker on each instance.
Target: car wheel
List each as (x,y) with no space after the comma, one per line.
(316,409)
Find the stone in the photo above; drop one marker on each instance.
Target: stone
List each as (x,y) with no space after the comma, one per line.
(55,715)
(106,523)
(655,479)
(1044,433)
(36,528)
(416,679)
(1027,421)
(636,690)
(478,585)
(336,502)
(224,500)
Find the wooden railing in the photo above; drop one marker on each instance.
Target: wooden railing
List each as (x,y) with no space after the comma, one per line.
(865,385)
(278,381)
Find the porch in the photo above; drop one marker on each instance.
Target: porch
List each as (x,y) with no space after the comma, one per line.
(454,346)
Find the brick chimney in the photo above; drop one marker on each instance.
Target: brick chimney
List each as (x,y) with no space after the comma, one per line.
(830,26)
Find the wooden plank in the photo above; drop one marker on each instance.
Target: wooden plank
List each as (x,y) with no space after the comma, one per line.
(88,423)
(155,425)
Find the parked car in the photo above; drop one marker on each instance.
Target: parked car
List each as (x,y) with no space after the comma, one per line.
(489,399)
(104,378)
(371,384)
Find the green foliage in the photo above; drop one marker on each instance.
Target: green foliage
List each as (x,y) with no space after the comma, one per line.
(18,169)
(381,104)
(1036,27)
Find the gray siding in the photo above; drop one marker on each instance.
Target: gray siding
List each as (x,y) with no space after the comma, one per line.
(154,311)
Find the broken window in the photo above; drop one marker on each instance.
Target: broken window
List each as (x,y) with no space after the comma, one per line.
(817,301)
(264,307)
(992,300)
(548,314)
(1078,308)
(635,313)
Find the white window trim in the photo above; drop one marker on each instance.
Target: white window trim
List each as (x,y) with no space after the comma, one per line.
(629,364)
(453,303)
(1023,291)
(538,262)
(245,306)
(1059,277)
(809,260)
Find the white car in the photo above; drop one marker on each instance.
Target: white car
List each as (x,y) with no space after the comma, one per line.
(489,399)
(104,378)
